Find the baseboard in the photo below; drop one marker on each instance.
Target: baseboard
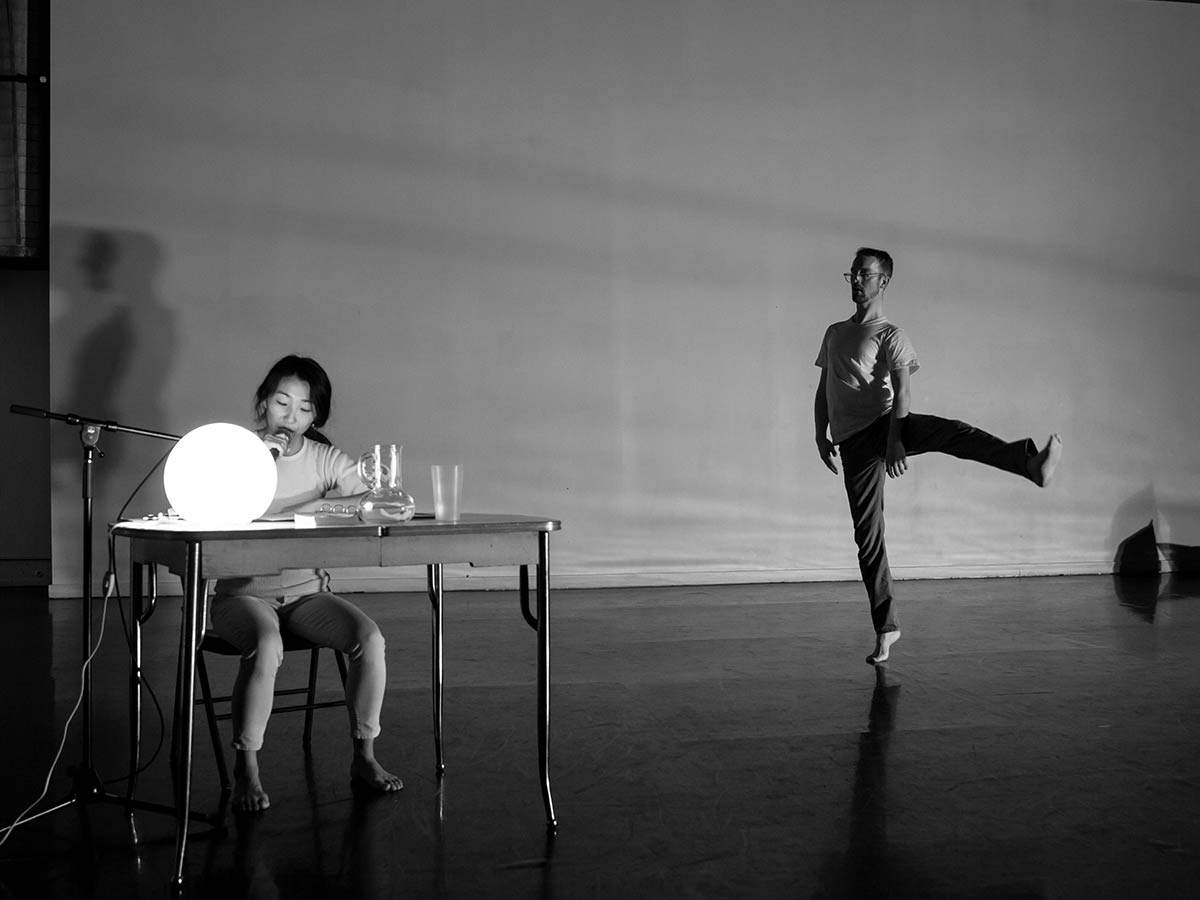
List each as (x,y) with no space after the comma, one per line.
(371,581)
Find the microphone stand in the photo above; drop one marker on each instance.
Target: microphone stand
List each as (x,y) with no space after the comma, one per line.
(87,787)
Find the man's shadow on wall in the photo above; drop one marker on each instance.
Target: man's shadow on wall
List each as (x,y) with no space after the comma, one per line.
(112,347)
(1146,569)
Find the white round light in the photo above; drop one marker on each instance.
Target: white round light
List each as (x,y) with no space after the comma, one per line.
(220,474)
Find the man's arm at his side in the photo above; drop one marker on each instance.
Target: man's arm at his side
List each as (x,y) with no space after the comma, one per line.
(897,458)
(825,447)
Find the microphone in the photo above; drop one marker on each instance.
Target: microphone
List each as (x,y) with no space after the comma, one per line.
(282,432)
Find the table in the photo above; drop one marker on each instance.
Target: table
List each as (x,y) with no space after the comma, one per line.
(197,554)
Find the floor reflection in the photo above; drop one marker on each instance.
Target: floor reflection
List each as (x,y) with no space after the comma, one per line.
(1138,594)
(871,867)
(251,874)
(707,742)
(1141,594)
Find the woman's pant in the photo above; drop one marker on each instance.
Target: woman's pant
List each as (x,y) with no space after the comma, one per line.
(255,626)
(864,470)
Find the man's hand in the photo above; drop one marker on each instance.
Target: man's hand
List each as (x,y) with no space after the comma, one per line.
(897,458)
(828,452)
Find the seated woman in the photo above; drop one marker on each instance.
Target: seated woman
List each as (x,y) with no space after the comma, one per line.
(292,402)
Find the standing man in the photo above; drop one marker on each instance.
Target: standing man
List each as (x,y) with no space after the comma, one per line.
(862,408)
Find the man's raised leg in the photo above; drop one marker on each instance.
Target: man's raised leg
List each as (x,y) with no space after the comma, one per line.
(933,434)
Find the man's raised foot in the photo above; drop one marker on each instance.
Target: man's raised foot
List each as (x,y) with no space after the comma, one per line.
(1042,465)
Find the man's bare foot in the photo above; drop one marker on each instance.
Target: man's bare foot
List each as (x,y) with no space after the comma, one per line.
(368,772)
(883,646)
(248,794)
(1041,466)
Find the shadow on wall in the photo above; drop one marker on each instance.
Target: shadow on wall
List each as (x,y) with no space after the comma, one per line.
(112,346)
(1142,560)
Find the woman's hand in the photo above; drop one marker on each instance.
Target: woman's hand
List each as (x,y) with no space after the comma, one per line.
(327,504)
(278,442)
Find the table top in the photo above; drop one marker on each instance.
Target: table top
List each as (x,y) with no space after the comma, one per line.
(264,548)
(468,523)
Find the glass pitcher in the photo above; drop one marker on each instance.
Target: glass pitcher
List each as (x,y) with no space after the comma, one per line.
(385,501)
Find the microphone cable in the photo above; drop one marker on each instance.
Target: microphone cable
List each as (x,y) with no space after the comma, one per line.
(109,587)
(127,630)
(127,626)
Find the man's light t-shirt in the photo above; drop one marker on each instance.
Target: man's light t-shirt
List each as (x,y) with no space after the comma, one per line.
(858,360)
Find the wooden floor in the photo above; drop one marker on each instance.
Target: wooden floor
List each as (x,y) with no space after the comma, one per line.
(1030,738)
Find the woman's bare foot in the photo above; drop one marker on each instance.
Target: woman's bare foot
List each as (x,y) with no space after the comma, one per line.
(248,793)
(370,773)
(366,770)
(1041,466)
(883,646)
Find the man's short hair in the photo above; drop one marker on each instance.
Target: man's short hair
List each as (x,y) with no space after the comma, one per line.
(885,259)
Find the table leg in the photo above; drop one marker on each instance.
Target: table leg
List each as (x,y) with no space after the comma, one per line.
(434,578)
(543,627)
(136,574)
(194,613)
(523,589)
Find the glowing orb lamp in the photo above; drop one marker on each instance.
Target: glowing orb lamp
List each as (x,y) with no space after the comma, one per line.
(220,475)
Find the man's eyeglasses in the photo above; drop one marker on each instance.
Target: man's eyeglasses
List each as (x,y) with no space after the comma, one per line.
(860,277)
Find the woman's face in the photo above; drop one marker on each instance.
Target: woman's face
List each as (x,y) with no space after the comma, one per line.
(290,409)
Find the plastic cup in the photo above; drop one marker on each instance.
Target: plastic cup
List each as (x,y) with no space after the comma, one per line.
(447,491)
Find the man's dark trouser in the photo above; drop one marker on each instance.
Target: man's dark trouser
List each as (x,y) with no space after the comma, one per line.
(863,468)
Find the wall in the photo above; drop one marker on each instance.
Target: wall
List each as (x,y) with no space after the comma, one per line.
(589,251)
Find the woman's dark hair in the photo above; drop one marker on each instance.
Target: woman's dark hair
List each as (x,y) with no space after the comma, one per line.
(320,391)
